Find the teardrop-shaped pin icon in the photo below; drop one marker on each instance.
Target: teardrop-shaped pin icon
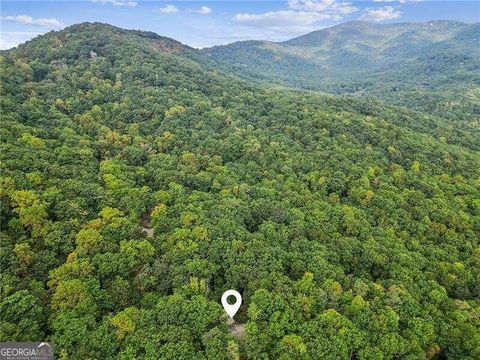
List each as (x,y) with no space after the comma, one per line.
(231,309)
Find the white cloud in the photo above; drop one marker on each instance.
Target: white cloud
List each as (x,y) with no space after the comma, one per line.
(211,34)
(204,10)
(301,16)
(400,1)
(127,3)
(10,39)
(171,9)
(279,19)
(168,9)
(385,13)
(326,6)
(28,20)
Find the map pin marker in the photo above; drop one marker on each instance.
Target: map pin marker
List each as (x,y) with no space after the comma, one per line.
(231,309)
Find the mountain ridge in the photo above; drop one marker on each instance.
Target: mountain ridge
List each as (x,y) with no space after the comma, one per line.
(154,35)
(356,57)
(356,24)
(400,67)
(420,65)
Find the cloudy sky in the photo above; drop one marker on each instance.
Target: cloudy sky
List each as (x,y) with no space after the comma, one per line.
(208,23)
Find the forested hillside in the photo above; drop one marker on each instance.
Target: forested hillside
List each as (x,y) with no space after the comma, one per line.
(351,228)
(433,66)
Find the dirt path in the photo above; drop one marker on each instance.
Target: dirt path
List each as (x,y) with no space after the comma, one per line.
(147,227)
(236,329)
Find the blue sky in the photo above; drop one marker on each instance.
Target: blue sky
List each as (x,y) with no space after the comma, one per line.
(208,23)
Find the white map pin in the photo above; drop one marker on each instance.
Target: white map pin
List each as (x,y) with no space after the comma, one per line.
(231,309)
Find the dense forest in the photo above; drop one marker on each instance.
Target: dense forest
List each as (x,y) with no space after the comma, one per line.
(137,185)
